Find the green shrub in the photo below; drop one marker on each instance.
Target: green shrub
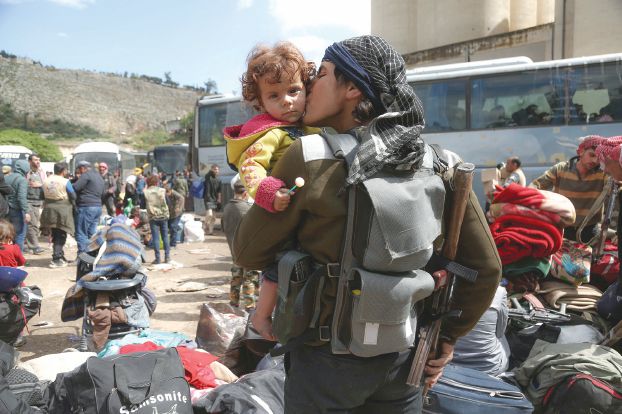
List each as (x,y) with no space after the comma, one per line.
(57,128)
(48,151)
(148,140)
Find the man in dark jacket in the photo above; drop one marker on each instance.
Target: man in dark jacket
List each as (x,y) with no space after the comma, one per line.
(89,190)
(212,196)
(5,190)
(19,211)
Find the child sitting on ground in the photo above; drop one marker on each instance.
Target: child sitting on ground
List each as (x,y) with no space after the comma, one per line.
(274,83)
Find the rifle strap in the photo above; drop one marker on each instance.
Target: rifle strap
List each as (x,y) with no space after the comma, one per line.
(596,208)
(440,262)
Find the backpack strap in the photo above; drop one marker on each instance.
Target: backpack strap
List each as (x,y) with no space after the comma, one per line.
(343,146)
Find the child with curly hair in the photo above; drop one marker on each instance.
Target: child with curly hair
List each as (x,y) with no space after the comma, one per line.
(275,83)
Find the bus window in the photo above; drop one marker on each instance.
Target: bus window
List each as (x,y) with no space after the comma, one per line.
(520,99)
(596,93)
(211,123)
(444,104)
(214,118)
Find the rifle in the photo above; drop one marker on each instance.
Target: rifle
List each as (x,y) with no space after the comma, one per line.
(612,195)
(444,281)
(539,315)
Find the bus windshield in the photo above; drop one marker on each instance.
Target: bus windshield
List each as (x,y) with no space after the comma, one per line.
(170,159)
(109,158)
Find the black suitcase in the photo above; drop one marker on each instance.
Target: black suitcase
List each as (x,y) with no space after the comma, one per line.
(463,390)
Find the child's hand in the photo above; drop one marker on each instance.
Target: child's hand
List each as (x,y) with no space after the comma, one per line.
(263,326)
(281,199)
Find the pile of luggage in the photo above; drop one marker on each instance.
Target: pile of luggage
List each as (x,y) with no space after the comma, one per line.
(550,340)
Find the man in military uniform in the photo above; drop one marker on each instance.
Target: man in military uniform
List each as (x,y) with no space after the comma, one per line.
(360,89)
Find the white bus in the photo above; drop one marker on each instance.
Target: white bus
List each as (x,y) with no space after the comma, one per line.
(96,152)
(11,153)
(484,111)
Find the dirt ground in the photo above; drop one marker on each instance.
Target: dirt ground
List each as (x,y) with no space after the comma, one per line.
(207,262)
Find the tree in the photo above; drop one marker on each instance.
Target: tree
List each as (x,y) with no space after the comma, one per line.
(168,80)
(211,87)
(48,151)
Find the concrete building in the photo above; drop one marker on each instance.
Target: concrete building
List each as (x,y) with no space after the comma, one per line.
(432,32)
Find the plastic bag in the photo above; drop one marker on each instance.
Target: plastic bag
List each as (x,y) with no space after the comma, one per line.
(193,232)
(218,324)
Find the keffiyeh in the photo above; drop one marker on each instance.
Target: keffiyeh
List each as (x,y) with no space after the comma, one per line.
(589,141)
(393,137)
(610,148)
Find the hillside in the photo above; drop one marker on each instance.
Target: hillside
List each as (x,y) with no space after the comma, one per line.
(111,104)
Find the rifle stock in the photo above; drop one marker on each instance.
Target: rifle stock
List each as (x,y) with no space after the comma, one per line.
(441,298)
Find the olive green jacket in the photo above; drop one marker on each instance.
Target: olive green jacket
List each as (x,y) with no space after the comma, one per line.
(316,219)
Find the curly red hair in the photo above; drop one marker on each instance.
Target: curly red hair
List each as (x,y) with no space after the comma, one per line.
(282,58)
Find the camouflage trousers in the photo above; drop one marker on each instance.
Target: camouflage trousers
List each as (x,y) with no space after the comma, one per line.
(244,287)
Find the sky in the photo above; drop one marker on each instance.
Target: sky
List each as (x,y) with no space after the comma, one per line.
(194,40)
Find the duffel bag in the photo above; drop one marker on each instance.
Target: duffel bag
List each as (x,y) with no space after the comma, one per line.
(463,390)
(582,394)
(138,383)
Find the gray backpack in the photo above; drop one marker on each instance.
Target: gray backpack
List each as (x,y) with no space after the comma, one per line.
(393,220)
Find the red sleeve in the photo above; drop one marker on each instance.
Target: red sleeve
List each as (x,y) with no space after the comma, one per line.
(19,257)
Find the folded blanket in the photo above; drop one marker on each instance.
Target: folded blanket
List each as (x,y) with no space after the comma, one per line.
(517,237)
(538,199)
(580,298)
(500,209)
(540,266)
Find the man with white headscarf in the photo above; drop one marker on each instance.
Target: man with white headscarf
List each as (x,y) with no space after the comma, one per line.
(360,89)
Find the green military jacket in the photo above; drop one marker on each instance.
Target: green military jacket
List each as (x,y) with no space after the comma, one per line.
(316,219)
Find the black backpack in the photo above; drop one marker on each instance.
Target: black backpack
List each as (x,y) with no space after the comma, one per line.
(15,314)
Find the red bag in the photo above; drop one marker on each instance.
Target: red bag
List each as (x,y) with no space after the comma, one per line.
(606,270)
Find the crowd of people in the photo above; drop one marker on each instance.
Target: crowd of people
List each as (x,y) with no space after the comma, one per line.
(345,313)
(64,203)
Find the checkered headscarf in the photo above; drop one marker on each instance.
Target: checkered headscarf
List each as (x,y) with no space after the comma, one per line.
(610,148)
(589,141)
(392,138)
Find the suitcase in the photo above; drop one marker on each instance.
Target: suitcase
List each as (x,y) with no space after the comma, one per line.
(463,390)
